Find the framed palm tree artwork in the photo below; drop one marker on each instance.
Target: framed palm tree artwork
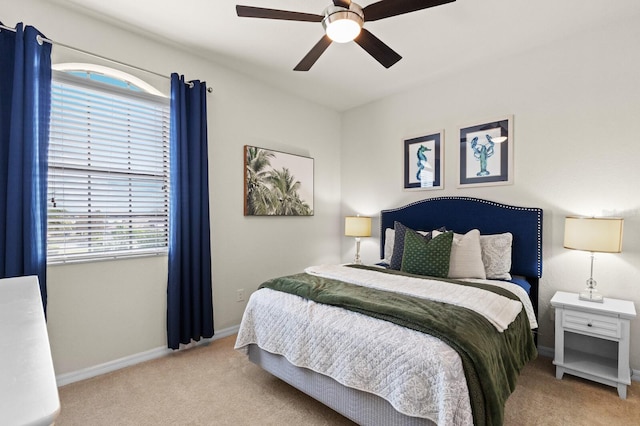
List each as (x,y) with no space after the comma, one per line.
(277,183)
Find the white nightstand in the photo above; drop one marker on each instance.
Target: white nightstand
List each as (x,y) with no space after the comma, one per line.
(592,339)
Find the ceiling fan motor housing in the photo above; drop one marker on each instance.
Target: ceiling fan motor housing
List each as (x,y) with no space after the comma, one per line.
(343,24)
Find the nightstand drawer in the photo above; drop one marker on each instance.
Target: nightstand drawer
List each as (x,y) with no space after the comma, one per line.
(592,324)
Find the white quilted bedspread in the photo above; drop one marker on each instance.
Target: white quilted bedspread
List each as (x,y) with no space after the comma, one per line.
(418,374)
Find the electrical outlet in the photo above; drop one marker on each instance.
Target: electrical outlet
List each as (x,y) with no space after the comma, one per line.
(240,295)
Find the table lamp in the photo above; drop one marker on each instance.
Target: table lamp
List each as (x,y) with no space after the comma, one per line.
(357,226)
(594,234)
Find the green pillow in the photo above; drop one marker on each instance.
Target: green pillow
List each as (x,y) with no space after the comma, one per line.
(430,258)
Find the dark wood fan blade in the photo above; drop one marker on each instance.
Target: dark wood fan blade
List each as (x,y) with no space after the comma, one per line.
(260,12)
(307,62)
(376,48)
(342,3)
(388,8)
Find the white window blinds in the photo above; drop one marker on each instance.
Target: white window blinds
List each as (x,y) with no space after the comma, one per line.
(108,186)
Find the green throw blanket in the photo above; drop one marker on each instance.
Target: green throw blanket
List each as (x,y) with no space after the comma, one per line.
(491,360)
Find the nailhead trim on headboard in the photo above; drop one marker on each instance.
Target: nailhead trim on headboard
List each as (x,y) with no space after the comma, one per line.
(535,210)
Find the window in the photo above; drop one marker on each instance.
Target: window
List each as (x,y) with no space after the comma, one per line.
(108,187)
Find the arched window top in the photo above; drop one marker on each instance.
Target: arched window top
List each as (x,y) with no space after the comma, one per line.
(107,75)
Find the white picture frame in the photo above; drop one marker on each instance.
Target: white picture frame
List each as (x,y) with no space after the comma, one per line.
(424,162)
(486,153)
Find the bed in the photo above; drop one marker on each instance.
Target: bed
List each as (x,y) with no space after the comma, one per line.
(393,366)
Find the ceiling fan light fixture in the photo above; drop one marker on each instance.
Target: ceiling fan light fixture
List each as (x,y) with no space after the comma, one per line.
(342,25)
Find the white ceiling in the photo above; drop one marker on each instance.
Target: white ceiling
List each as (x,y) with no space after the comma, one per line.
(433,41)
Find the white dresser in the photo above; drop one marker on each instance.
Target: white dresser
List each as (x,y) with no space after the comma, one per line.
(592,339)
(28,391)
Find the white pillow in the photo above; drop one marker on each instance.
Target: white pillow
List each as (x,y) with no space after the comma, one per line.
(466,256)
(496,255)
(389,239)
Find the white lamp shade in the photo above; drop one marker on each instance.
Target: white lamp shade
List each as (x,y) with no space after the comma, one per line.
(603,234)
(357,226)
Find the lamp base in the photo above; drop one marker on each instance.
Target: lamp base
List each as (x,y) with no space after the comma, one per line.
(357,260)
(591,295)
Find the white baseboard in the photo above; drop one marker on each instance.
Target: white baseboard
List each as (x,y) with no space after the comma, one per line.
(545,351)
(549,353)
(107,367)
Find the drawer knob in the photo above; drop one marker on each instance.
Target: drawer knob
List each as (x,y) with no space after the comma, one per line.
(590,325)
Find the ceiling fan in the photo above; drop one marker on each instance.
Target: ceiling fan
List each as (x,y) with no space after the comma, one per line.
(343,22)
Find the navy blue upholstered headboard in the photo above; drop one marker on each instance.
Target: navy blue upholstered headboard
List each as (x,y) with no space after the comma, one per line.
(461,214)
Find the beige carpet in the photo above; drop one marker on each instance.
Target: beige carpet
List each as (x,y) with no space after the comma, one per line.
(215,385)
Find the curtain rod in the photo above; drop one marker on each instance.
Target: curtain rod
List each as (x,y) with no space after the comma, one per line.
(41,39)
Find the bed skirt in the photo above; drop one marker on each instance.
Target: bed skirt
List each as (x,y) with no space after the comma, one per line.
(362,407)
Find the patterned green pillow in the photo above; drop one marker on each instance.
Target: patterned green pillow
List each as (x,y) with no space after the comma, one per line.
(430,258)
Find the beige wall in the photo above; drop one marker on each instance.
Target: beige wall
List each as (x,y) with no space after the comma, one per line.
(100,312)
(576,107)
